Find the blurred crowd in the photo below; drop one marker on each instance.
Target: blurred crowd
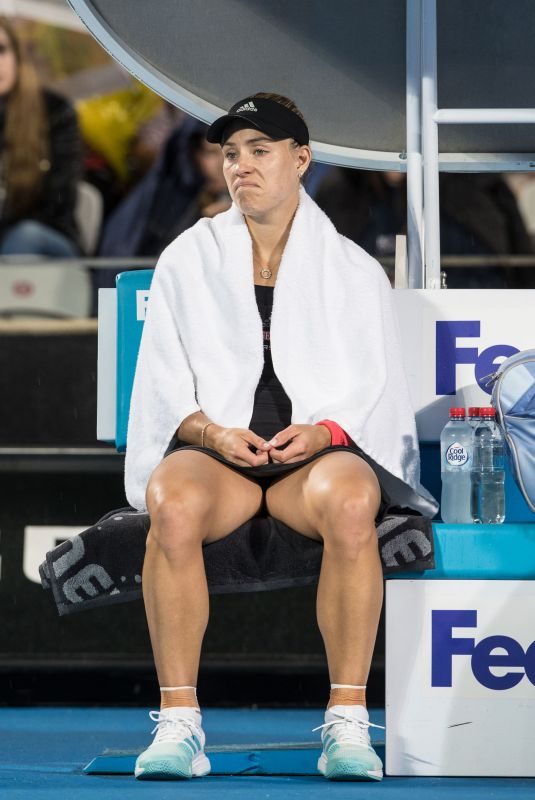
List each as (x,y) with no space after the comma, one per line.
(152,174)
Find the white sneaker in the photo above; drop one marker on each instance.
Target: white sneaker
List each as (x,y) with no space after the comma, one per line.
(178,748)
(347,752)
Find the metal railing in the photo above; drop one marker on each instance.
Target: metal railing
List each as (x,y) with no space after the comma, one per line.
(423,119)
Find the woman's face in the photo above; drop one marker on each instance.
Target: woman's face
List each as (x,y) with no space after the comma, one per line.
(8,64)
(261,173)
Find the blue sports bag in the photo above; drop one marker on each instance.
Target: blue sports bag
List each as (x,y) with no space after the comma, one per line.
(513,397)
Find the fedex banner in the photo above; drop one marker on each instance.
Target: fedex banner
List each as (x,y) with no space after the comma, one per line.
(460,672)
(453,340)
(472,638)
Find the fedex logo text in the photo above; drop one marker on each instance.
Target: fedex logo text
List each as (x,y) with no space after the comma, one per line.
(448,354)
(444,646)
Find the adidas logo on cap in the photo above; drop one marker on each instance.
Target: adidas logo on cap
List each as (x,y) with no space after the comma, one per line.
(246,107)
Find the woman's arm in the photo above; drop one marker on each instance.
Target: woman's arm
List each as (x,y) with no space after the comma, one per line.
(190,429)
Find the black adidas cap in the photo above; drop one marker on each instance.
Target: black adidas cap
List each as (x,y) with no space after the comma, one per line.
(268,116)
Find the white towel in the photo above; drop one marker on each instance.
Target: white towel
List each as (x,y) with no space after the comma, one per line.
(334,341)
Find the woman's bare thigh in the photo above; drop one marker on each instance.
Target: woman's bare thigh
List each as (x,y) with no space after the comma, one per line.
(227,498)
(300,498)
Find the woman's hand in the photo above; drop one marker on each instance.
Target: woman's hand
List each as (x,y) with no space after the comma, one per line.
(234,445)
(304,441)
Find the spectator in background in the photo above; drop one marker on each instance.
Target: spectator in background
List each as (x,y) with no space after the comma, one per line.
(151,138)
(184,185)
(209,197)
(478,216)
(40,160)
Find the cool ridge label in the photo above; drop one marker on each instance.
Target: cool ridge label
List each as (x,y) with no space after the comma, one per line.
(457,455)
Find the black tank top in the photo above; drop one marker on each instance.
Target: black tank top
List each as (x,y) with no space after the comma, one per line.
(272,410)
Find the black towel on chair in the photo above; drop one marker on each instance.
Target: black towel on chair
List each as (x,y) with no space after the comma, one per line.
(103,564)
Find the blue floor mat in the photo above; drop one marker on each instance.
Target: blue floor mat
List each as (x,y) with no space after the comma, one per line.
(236,760)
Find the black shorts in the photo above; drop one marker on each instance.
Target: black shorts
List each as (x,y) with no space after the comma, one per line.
(265,473)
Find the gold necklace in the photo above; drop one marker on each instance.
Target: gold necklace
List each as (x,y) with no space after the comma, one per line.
(265,272)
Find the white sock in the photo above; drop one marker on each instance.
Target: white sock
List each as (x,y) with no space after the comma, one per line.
(351,706)
(345,686)
(174,688)
(185,710)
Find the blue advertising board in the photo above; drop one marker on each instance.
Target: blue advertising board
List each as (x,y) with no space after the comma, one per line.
(132,295)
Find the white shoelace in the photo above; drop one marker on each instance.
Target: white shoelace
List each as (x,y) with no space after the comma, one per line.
(173,728)
(355,732)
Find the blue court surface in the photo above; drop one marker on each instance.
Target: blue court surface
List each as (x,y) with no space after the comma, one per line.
(45,751)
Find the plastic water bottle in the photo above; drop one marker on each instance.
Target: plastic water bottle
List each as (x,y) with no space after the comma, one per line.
(456,449)
(474,418)
(488,473)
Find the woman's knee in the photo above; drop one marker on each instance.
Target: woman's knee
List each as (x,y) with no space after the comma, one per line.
(23,237)
(30,237)
(349,517)
(178,515)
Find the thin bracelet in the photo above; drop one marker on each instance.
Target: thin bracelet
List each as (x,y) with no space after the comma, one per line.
(203,430)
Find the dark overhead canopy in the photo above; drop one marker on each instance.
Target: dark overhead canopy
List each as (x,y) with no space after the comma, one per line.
(343,62)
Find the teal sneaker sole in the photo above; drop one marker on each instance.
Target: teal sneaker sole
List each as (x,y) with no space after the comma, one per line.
(347,769)
(170,768)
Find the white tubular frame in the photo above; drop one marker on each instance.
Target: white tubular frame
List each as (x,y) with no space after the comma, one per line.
(414,148)
(423,119)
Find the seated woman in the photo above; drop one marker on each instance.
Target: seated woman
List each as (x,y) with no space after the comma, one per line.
(40,160)
(295,405)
